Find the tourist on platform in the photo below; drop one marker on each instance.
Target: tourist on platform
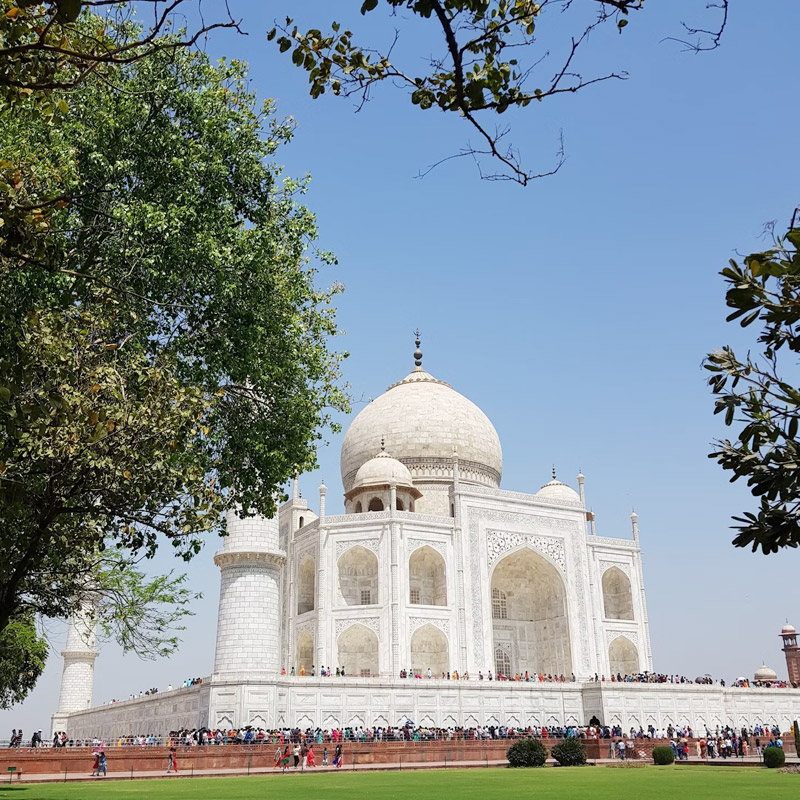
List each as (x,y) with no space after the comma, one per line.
(172,763)
(296,755)
(311,760)
(325,756)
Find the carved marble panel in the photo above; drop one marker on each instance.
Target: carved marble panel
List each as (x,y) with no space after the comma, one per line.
(625,566)
(498,543)
(417,622)
(372,543)
(373,623)
(434,544)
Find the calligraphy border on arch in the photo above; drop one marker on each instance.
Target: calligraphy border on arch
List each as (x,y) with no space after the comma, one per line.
(476,514)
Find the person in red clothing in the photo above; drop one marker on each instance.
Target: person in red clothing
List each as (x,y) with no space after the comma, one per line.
(172,764)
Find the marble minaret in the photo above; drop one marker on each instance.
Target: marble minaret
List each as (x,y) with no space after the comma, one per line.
(249,627)
(77,678)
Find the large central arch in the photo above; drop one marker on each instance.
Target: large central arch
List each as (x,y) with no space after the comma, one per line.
(529,614)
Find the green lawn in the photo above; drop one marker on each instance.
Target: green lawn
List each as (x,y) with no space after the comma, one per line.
(587,783)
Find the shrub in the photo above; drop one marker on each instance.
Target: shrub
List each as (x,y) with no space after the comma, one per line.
(663,755)
(526,753)
(569,753)
(774,757)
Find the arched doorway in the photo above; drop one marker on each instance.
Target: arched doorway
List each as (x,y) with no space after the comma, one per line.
(623,657)
(529,610)
(305,585)
(427,579)
(617,595)
(429,649)
(358,651)
(358,576)
(305,652)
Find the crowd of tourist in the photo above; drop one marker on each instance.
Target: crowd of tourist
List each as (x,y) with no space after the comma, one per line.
(721,742)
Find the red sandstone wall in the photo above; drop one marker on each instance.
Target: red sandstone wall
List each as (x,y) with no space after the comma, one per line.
(154,759)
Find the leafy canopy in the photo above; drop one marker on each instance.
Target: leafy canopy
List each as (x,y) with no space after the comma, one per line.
(163,342)
(490,58)
(759,394)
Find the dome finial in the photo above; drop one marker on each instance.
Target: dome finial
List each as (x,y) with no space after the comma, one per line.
(383,444)
(417,352)
(554,472)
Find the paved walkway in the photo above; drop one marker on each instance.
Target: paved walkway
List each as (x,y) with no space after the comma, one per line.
(749,761)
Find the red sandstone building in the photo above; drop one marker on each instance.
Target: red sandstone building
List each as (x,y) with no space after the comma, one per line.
(790,647)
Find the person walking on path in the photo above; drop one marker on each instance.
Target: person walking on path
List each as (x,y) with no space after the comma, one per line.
(101,764)
(325,756)
(96,765)
(337,758)
(172,764)
(285,760)
(311,760)
(296,754)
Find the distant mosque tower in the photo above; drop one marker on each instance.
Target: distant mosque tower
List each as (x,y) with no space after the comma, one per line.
(789,636)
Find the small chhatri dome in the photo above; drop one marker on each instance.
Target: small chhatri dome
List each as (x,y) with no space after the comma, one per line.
(765,673)
(382,470)
(556,490)
(787,628)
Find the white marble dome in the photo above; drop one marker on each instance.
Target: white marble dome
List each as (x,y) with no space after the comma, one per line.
(424,422)
(765,673)
(787,628)
(380,470)
(556,490)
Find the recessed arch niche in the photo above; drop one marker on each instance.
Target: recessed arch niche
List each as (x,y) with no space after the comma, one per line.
(429,650)
(358,576)
(617,595)
(623,656)
(357,651)
(535,629)
(427,578)
(305,652)
(305,585)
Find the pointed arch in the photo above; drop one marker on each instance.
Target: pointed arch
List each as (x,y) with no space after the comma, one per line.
(617,594)
(623,656)
(357,651)
(535,630)
(304,652)
(427,578)
(306,585)
(358,576)
(429,650)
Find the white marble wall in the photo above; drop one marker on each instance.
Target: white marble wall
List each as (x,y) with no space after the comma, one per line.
(336,702)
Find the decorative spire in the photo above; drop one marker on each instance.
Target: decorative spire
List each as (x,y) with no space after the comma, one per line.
(383,444)
(554,472)
(417,352)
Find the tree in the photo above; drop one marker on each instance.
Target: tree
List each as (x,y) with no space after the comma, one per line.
(757,395)
(44,47)
(163,345)
(22,656)
(484,67)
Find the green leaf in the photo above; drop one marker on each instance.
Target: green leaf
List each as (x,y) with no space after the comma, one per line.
(368,5)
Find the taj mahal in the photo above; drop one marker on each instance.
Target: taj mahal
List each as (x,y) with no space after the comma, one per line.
(433,570)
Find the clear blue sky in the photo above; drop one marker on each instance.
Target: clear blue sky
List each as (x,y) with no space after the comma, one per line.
(575,313)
